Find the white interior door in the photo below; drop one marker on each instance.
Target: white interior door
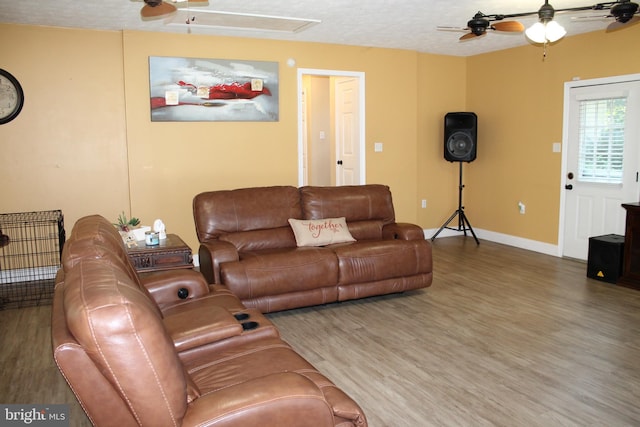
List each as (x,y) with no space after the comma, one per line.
(602,162)
(347,131)
(348,127)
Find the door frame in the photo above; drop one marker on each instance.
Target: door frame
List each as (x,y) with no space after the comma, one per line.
(565,139)
(301,129)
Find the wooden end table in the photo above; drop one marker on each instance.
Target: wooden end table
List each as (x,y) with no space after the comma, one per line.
(171,253)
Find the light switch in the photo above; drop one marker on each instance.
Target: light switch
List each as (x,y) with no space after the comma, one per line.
(557,147)
(377,147)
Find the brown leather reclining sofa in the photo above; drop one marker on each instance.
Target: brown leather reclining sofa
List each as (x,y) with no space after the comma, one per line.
(168,349)
(248,245)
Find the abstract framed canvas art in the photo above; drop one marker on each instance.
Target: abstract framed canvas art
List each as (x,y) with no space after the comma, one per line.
(199,89)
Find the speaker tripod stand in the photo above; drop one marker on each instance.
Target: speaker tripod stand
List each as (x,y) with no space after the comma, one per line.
(463,222)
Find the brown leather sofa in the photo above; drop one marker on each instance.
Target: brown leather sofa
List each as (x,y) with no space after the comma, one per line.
(168,349)
(248,245)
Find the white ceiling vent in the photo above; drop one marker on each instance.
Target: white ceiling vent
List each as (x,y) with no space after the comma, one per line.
(240,21)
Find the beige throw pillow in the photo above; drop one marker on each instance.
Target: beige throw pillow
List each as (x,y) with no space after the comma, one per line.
(320,232)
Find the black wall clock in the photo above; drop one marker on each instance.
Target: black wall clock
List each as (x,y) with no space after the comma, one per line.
(11,97)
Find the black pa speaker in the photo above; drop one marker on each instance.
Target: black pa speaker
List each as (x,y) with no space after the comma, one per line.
(605,259)
(460,134)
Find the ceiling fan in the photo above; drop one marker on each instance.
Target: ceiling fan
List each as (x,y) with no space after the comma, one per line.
(158,8)
(624,12)
(480,23)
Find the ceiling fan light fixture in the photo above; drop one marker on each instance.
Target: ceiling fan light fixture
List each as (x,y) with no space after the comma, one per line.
(536,33)
(554,31)
(546,30)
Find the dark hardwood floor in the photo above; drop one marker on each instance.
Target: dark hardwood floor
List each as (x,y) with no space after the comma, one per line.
(504,337)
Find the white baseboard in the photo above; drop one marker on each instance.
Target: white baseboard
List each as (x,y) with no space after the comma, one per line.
(505,239)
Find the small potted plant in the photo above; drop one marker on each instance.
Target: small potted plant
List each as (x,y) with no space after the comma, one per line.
(130,229)
(125,224)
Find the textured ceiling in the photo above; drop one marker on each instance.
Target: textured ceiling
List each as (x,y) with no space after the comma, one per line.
(400,24)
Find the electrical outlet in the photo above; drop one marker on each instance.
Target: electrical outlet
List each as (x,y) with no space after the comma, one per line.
(522,208)
(424,203)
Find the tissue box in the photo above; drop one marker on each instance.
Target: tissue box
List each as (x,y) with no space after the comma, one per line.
(140,231)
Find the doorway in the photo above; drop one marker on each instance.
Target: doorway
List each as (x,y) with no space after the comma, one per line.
(600,161)
(331,127)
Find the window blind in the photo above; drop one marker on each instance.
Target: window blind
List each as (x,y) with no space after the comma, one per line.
(601,139)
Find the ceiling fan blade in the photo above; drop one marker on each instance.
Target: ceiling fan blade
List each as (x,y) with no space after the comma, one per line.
(615,26)
(469,36)
(589,18)
(514,26)
(157,11)
(444,28)
(189,1)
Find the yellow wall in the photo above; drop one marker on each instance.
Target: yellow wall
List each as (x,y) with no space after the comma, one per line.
(519,101)
(69,141)
(84,142)
(171,162)
(442,87)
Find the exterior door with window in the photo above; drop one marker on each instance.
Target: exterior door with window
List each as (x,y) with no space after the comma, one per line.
(602,162)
